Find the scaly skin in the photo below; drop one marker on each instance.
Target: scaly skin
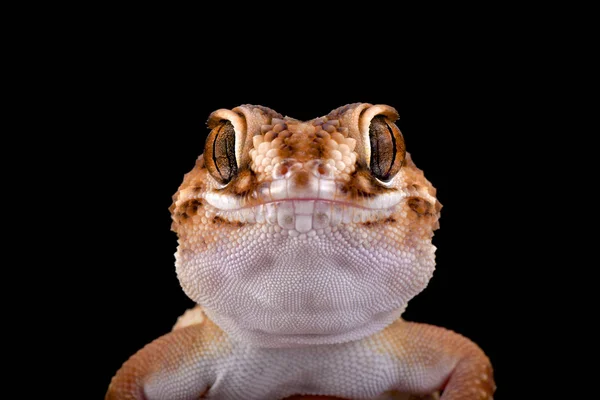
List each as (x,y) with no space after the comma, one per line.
(303,243)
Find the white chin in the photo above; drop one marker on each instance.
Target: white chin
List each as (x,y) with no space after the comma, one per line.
(320,334)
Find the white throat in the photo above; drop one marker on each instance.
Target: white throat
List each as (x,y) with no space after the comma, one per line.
(261,338)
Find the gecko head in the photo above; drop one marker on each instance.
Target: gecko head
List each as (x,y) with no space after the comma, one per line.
(296,233)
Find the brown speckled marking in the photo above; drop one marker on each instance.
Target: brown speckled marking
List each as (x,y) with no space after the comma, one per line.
(420,206)
(362,184)
(185,211)
(218,220)
(179,217)
(377,223)
(296,144)
(194,181)
(223,222)
(303,147)
(192,206)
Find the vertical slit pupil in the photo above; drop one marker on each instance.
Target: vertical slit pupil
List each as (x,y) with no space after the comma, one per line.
(391,133)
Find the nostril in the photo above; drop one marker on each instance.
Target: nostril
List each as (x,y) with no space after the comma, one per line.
(283,170)
(321,169)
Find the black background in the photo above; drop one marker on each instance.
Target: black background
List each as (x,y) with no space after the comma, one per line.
(145,112)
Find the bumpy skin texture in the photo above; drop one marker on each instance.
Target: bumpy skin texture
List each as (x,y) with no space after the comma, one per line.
(303,242)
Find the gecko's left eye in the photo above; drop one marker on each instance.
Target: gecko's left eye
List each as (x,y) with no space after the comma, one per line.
(219,152)
(387,148)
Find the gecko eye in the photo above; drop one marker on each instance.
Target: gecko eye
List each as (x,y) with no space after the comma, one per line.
(219,152)
(387,148)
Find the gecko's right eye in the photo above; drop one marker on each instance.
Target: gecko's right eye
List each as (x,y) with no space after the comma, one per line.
(219,152)
(387,148)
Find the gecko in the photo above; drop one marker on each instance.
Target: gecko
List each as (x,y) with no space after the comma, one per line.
(301,242)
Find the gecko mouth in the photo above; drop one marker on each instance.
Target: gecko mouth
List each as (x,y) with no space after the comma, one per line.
(311,189)
(303,216)
(316,205)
